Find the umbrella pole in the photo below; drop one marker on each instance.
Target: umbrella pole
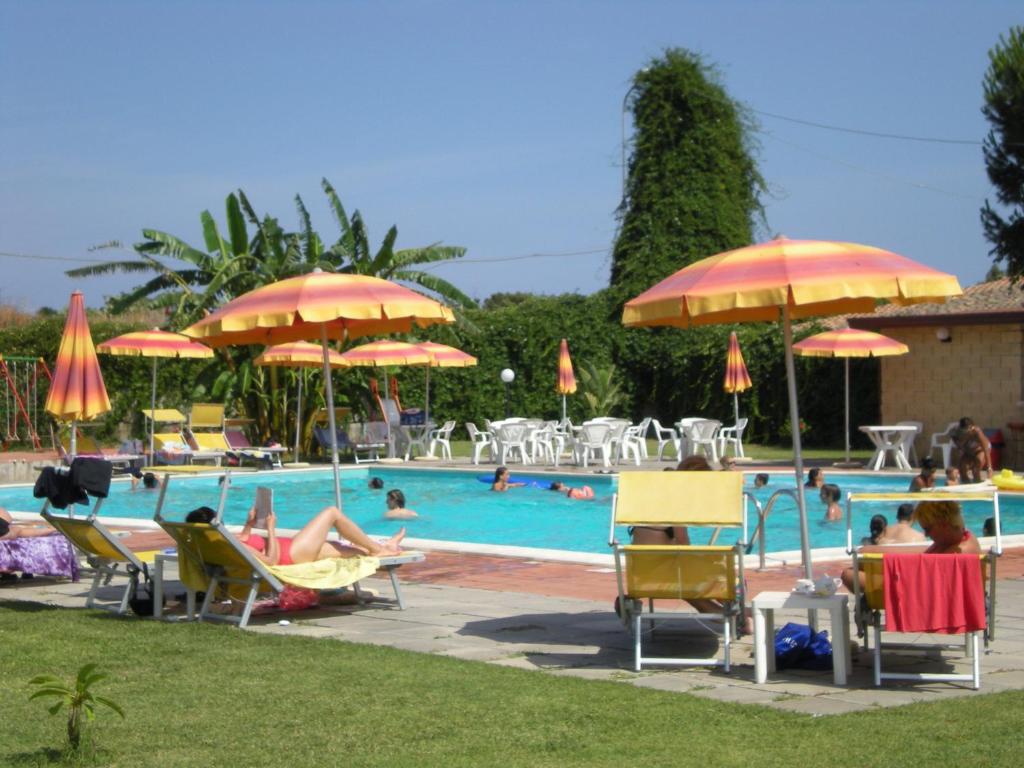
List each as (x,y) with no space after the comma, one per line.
(152,416)
(846,432)
(330,415)
(794,423)
(298,416)
(736,408)
(563,408)
(426,419)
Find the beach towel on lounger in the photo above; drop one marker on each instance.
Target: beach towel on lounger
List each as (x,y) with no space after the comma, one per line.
(40,555)
(933,593)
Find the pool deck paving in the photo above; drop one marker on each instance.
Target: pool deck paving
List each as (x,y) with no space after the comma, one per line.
(556,618)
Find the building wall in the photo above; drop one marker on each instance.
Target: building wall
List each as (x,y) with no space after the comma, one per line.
(978,374)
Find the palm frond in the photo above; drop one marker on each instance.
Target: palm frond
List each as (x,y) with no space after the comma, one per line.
(109,268)
(164,244)
(436,285)
(236,227)
(214,242)
(384,260)
(428,254)
(339,212)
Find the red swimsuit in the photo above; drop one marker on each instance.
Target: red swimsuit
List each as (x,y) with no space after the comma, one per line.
(284,546)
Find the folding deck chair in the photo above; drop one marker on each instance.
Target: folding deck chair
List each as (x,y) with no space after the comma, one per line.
(103,551)
(210,558)
(679,572)
(869,603)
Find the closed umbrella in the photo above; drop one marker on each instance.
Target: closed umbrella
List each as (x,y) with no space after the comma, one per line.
(298,354)
(786,279)
(736,377)
(155,344)
(77,392)
(566,378)
(847,343)
(324,305)
(443,356)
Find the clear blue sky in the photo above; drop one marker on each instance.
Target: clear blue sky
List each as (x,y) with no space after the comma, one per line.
(492,125)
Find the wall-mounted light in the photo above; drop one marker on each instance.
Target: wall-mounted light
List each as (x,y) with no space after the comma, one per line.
(943,335)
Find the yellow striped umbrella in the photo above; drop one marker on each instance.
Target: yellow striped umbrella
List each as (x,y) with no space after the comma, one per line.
(786,279)
(566,378)
(155,344)
(299,354)
(443,356)
(847,343)
(77,392)
(320,305)
(736,377)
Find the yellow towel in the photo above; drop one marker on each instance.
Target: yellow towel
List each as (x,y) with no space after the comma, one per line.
(331,573)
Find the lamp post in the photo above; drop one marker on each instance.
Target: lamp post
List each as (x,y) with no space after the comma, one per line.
(507,376)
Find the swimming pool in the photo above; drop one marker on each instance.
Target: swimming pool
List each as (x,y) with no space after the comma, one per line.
(456,506)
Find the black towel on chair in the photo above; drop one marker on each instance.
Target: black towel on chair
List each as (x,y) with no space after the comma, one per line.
(56,486)
(92,475)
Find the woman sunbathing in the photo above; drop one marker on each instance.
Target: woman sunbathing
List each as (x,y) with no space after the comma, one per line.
(311,542)
(12,530)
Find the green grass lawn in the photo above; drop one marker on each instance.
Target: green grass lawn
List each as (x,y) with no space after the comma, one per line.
(210,695)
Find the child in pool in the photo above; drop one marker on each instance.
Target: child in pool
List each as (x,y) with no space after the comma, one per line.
(584,492)
(396,506)
(830,494)
(501,483)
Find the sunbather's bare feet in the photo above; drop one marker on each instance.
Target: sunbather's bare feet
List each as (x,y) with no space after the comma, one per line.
(392,546)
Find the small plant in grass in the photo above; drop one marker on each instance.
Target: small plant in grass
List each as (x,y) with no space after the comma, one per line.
(79,699)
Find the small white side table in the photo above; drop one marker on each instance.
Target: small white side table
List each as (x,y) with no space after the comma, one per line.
(158,587)
(765,605)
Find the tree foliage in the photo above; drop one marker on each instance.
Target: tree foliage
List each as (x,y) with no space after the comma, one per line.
(693,187)
(1004,150)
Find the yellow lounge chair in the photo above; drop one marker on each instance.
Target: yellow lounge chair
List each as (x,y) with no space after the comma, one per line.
(869,602)
(104,553)
(211,557)
(677,572)
(207,434)
(171,446)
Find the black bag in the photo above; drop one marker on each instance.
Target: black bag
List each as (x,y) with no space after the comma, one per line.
(143,606)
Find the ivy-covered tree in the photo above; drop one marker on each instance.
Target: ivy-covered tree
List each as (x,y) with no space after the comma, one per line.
(1004,150)
(693,188)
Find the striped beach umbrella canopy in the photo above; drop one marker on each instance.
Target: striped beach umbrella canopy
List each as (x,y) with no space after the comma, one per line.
(443,356)
(323,305)
(566,378)
(299,354)
(736,377)
(77,392)
(154,344)
(847,343)
(781,280)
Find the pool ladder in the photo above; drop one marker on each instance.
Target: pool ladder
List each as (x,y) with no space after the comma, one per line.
(762,516)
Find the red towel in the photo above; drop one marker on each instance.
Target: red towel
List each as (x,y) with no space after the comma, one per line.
(933,593)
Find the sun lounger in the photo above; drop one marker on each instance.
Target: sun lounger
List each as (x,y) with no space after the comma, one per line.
(212,559)
(86,446)
(679,572)
(934,586)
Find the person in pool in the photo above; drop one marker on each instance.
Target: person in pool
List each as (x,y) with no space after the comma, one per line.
(815,478)
(903,532)
(760,479)
(311,542)
(830,494)
(975,451)
(583,492)
(396,506)
(501,483)
(375,484)
(148,480)
(877,530)
(926,478)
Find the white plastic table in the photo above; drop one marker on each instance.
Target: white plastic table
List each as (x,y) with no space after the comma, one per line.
(158,587)
(888,439)
(765,605)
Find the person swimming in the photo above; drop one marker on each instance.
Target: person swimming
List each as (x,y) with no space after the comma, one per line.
(583,492)
(396,506)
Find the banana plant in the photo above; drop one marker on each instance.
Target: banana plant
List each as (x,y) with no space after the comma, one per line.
(78,698)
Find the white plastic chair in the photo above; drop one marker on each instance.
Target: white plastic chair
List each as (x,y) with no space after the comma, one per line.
(665,436)
(943,441)
(732,436)
(481,441)
(634,443)
(593,437)
(704,435)
(907,442)
(442,437)
(511,438)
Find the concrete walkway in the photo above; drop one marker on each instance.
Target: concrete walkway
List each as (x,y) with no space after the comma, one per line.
(582,637)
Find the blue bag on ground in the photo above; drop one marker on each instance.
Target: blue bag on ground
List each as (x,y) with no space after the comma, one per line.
(796,645)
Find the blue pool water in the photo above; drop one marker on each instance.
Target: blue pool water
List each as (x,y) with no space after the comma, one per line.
(456,506)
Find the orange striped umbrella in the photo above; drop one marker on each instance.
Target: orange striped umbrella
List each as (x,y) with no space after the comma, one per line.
(566,378)
(736,377)
(847,343)
(786,279)
(443,356)
(299,354)
(155,344)
(326,305)
(77,392)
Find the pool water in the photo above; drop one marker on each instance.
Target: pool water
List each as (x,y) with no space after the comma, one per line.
(457,506)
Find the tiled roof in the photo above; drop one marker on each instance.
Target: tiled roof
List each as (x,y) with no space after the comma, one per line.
(996,296)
